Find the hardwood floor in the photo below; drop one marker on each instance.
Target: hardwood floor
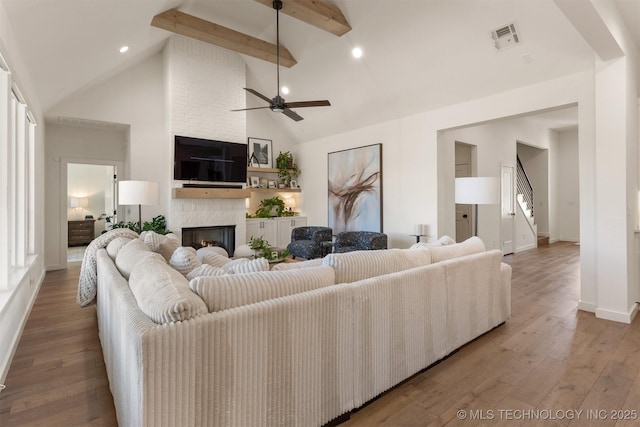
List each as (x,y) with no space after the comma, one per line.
(548,357)
(58,377)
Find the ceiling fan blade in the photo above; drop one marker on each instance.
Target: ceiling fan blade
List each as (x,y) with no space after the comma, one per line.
(302,104)
(292,114)
(258,94)
(253,108)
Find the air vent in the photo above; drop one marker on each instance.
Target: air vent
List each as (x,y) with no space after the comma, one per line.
(505,37)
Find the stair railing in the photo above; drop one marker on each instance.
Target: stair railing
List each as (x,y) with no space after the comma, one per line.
(523,185)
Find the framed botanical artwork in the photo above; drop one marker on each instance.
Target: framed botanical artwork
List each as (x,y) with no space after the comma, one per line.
(255,181)
(260,153)
(272,184)
(355,189)
(293,183)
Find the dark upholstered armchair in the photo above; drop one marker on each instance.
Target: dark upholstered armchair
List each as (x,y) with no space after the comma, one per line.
(348,241)
(307,242)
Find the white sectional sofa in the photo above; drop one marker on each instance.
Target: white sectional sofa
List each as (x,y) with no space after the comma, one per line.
(300,346)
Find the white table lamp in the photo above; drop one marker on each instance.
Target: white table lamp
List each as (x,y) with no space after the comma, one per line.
(477,191)
(138,193)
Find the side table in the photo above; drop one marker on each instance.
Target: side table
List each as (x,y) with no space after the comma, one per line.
(418,236)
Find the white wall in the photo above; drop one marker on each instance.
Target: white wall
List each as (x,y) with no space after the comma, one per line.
(24,283)
(68,144)
(564,172)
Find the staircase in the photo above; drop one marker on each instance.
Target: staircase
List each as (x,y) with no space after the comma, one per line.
(524,196)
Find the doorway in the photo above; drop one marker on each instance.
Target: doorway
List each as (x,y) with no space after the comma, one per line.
(464,213)
(89,199)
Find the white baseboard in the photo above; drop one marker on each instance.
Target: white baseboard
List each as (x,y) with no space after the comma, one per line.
(526,248)
(617,316)
(587,306)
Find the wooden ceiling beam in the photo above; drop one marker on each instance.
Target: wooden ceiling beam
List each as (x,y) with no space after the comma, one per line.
(191,26)
(318,13)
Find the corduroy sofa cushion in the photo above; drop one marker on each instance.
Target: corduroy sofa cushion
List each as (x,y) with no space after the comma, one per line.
(295,265)
(472,245)
(115,245)
(353,266)
(235,290)
(130,254)
(163,293)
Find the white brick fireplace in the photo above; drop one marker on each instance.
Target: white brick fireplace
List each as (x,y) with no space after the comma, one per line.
(204,83)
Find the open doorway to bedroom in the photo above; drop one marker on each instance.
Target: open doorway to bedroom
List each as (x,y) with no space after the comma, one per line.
(90,199)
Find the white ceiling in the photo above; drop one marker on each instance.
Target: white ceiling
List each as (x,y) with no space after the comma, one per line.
(418,54)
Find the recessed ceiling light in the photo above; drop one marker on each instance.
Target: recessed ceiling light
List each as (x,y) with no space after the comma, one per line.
(123,49)
(356,52)
(285,90)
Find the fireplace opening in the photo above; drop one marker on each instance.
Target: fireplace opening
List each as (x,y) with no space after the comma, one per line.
(223,236)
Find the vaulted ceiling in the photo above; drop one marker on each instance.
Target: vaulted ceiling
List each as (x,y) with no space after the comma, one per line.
(418,54)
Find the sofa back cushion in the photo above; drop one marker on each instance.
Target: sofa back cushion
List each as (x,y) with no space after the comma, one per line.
(296,265)
(472,245)
(353,266)
(130,254)
(115,245)
(235,290)
(163,293)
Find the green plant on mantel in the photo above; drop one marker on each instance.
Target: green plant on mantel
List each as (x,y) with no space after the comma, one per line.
(287,169)
(268,208)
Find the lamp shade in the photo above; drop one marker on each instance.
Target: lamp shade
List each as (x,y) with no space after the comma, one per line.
(78,202)
(138,193)
(477,191)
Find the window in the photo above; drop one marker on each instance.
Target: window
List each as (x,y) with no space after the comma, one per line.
(17,170)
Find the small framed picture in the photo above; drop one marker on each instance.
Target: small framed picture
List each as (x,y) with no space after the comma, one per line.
(272,184)
(260,153)
(274,255)
(255,181)
(294,183)
(281,185)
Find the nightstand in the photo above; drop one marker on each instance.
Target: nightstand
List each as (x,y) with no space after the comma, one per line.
(80,232)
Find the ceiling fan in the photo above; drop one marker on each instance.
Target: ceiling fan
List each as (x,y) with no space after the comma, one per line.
(278,104)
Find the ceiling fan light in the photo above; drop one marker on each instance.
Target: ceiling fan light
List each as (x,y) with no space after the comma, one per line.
(277,109)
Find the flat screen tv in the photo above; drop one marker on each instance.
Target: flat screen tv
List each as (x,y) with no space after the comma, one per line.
(208,160)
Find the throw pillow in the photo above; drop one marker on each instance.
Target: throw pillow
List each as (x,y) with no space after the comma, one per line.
(162,293)
(472,245)
(215,259)
(235,290)
(184,259)
(212,249)
(446,240)
(243,251)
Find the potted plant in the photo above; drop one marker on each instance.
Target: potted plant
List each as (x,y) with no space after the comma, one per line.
(287,169)
(268,208)
(261,247)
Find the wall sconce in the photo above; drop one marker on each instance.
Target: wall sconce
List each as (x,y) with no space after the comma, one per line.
(138,193)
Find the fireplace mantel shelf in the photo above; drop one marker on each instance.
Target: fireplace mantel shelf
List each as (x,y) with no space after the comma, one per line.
(211,193)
